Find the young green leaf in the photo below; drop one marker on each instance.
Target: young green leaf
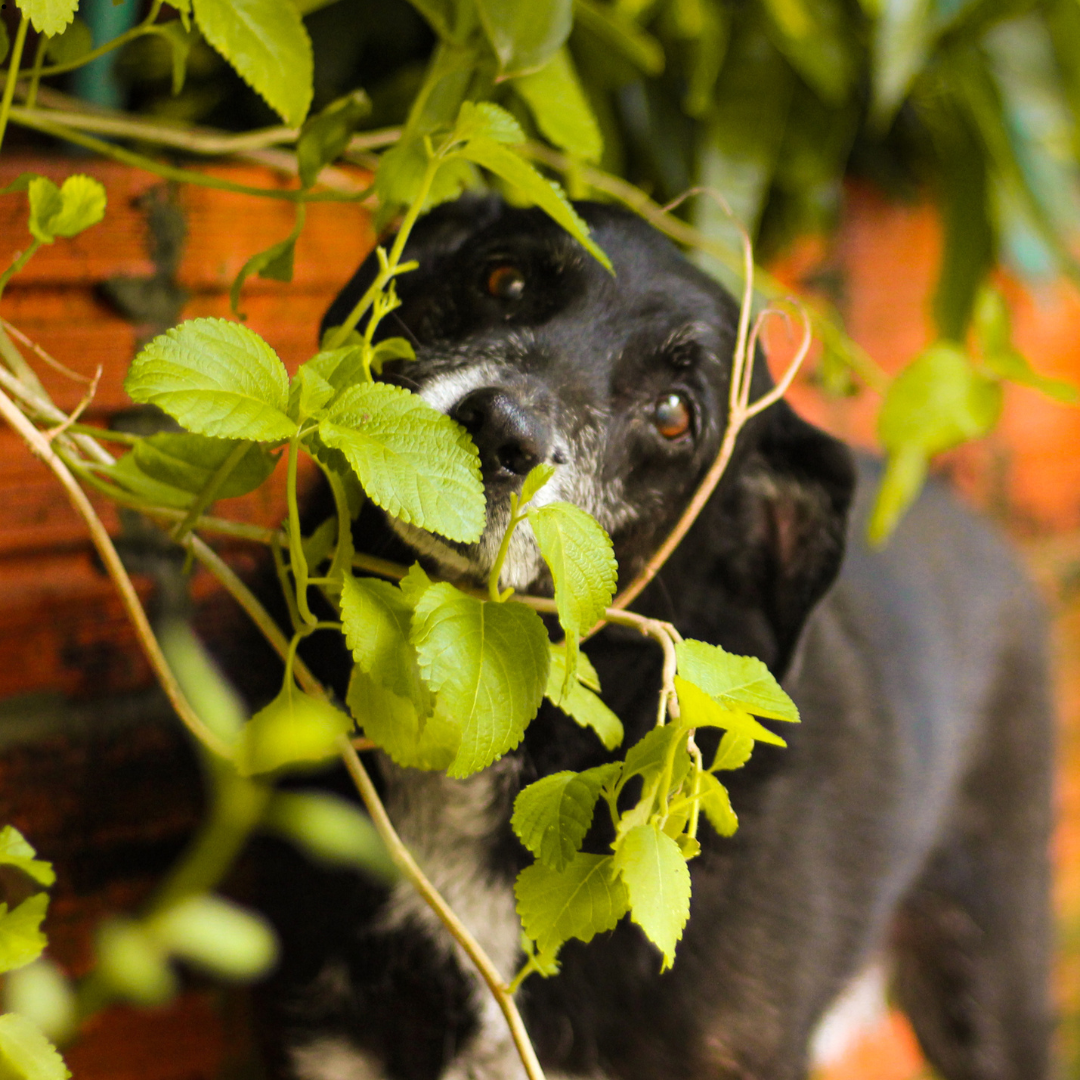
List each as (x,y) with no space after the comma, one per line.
(25,1053)
(733,752)
(393,724)
(49,17)
(401,171)
(66,210)
(309,394)
(275,263)
(736,682)
(560,108)
(339,367)
(324,137)
(414,584)
(187,462)
(582,900)
(267,44)
(132,963)
(21,939)
(658,886)
(294,728)
(488,663)
(15,851)
(218,936)
(647,757)
(42,993)
(579,703)
(620,34)
(414,462)
(552,815)
(697,709)
(717,805)
(476,118)
(216,378)
(536,479)
(515,170)
(525,36)
(1011,364)
(395,348)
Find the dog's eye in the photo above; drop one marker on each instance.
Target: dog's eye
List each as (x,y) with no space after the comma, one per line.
(671,415)
(506,283)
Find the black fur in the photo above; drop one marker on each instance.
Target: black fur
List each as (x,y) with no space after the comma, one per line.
(910,812)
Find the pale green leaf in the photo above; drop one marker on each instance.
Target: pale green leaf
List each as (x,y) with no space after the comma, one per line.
(717,805)
(552,815)
(658,885)
(578,702)
(127,474)
(414,584)
(1013,365)
(560,108)
(476,118)
(81,204)
(902,37)
(48,17)
(42,993)
(133,964)
(515,170)
(25,1053)
(735,681)
(525,35)
(218,936)
(698,709)
(216,378)
(414,462)
(538,476)
(393,724)
(294,728)
(582,900)
(267,44)
(401,170)
(45,204)
(390,349)
(733,752)
(15,851)
(904,476)
(187,462)
(21,939)
(488,663)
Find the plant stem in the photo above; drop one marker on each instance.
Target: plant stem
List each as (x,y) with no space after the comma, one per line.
(410,869)
(109,46)
(35,74)
(13,73)
(20,261)
(210,489)
(297,561)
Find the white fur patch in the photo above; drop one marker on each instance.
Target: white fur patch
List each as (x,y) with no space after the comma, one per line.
(856,1012)
(333,1058)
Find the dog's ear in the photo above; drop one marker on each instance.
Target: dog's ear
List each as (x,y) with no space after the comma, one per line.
(437,234)
(773,535)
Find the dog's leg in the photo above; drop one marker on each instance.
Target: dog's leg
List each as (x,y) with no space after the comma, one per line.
(973,938)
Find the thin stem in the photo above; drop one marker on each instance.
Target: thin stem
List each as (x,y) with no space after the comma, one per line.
(109,46)
(410,869)
(44,450)
(13,70)
(35,74)
(20,261)
(210,489)
(500,558)
(287,589)
(297,561)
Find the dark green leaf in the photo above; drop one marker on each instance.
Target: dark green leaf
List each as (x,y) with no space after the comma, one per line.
(324,137)
(187,462)
(620,32)
(273,264)
(902,35)
(525,36)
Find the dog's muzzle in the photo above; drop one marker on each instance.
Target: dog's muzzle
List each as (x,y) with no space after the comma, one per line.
(512,438)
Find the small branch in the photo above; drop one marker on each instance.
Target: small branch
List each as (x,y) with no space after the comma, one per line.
(410,869)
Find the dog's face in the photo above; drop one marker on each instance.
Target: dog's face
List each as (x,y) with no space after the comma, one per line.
(620,382)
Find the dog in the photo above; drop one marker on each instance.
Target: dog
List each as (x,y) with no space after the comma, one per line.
(907,819)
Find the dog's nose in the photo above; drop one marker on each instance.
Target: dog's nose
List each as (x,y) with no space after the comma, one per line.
(507,434)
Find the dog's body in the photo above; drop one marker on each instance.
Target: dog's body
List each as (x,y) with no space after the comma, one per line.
(908,816)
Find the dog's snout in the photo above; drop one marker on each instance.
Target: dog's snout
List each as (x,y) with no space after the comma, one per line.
(508,435)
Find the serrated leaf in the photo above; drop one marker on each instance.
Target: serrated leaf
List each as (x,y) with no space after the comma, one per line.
(133,963)
(485,118)
(215,378)
(25,1053)
(72,43)
(309,394)
(733,752)
(376,618)
(414,584)
(552,815)
(218,936)
(393,724)
(413,461)
(187,462)
(488,663)
(561,109)
(658,884)
(716,804)
(267,44)
(525,35)
(579,703)
(647,756)
(339,367)
(15,851)
(21,939)
(331,829)
(294,728)
(546,194)
(49,17)
(582,900)
(698,709)
(735,681)
(324,137)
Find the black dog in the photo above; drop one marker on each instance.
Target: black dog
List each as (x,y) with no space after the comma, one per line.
(909,815)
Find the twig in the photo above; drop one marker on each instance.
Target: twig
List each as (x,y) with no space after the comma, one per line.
(79,409)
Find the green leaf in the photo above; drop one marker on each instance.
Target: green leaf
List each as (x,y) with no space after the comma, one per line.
(392,722)
(646,758)
(21,939)
(698,709)
(524,36)
(15,851)
(450,19)
(5,48)
(331,829)
(324,137)
(294,728)
(414,462)
(1012,365)
(538,476)
(622,34)
(216,378)
(219,936)
(48,17)
(390,349)
(546,194)
(275,263)
(717,805)
(267,44)
(339,367)
(133,963)
(734,681)
(902,36)
(401,170)
(552,815)
(579,703)
(127,475)
(309,394)
(180,38)
(582,900)
(488,663)
(377,619)
(66,210)
(733,752)
(658,884)
(41,992)
(187,462)
(71,44)
(414,584)
(485,118)
(815,37)
(25,1053)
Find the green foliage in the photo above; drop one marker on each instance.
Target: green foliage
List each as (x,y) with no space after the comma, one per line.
(294,727)
(66,210)
(49,17)
(25,1053)
(15,851)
